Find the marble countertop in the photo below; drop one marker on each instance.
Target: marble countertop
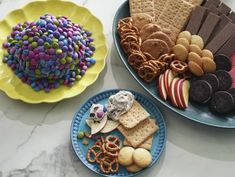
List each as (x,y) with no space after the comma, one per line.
(35,139)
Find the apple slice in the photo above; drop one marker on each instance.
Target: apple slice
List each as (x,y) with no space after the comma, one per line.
(172,92)
(170,77)
(110,126)
(184,92)
(165,83)
(98,126)
(161,87)
(177,93)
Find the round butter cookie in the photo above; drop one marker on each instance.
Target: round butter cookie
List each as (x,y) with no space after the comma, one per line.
(180,52)
(195,68)
(194,48)
(125,156)
(184,42)
(207,53)
(185,34)
(133,168)
(142,157)
(197,40)
(192,56)
(155,47)
(208,65)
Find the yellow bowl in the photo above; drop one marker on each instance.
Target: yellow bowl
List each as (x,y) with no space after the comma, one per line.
(14,87)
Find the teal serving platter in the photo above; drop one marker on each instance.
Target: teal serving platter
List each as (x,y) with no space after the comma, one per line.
(79,124)
(196,112)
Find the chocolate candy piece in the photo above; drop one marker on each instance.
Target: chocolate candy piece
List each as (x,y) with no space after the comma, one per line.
(200,91)
(208,26)
(225,80)
(222,62)
(224,9)
(212,80)
(222,102)
(229,47)
(221,38)
(196,19)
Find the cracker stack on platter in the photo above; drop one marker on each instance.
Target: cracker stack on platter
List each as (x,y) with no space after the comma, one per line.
(137,127)
(170,14)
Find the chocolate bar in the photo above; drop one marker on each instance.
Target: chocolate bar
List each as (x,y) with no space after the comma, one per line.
(208,26)
(196,19)
(221,38)
(215,2)
(229,47)
(212,8)
(232,16)
(224,9)
(223,22)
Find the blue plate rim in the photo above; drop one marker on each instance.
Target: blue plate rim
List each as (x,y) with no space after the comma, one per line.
(153,95)
(116,90)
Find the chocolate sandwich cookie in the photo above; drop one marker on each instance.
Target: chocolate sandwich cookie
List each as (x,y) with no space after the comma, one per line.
(232,92)
(225,80)
(222,102)
(200,91)
(212,80)
(222,62)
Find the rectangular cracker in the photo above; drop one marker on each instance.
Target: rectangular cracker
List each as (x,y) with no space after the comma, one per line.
(158,7)
(147,144)
(194,2)
(139,133)
(141,6)
(134,116)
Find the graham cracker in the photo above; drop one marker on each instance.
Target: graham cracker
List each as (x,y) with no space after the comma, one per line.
(134,116)
(139,133)
(141,6)
(147,144)
(158,6)
(194,2)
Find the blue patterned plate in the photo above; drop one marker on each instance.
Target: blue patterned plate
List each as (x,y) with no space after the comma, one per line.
(79,124)
(196,112)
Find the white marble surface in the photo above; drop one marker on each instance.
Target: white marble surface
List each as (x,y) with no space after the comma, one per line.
(35,139)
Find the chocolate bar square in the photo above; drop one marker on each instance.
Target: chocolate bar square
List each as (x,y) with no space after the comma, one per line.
(215,2)
(224,9)
(229,47)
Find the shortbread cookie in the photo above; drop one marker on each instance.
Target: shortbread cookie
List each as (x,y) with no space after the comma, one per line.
(194,48)
(139,20)
(142,157)
(137,135)
(207,53)
(192,56)
(197,40)
(185,34)
(195,68)
(162,36)
(125,156)
(208,65)
(147,30)
(180,52)
(133,168)
(184,42)
(155,47)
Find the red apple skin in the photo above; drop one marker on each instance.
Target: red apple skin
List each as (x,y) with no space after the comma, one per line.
(170,78)
(172,95)
(177,90)
(183,87)
(161,88)
(165,79)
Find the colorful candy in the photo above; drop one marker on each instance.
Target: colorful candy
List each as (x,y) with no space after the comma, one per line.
(49,52)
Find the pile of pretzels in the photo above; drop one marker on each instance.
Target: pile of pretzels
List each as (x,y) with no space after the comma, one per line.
(105,152)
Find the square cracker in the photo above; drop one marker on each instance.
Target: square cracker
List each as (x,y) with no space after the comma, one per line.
(139,133)
(147,144)
(141,6)
(134,116)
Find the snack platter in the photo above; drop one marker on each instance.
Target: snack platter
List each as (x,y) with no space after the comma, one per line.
(186,65)
(88,141)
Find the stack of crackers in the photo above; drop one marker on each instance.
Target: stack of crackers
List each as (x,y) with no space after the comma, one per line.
(137,127)
(169,14)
